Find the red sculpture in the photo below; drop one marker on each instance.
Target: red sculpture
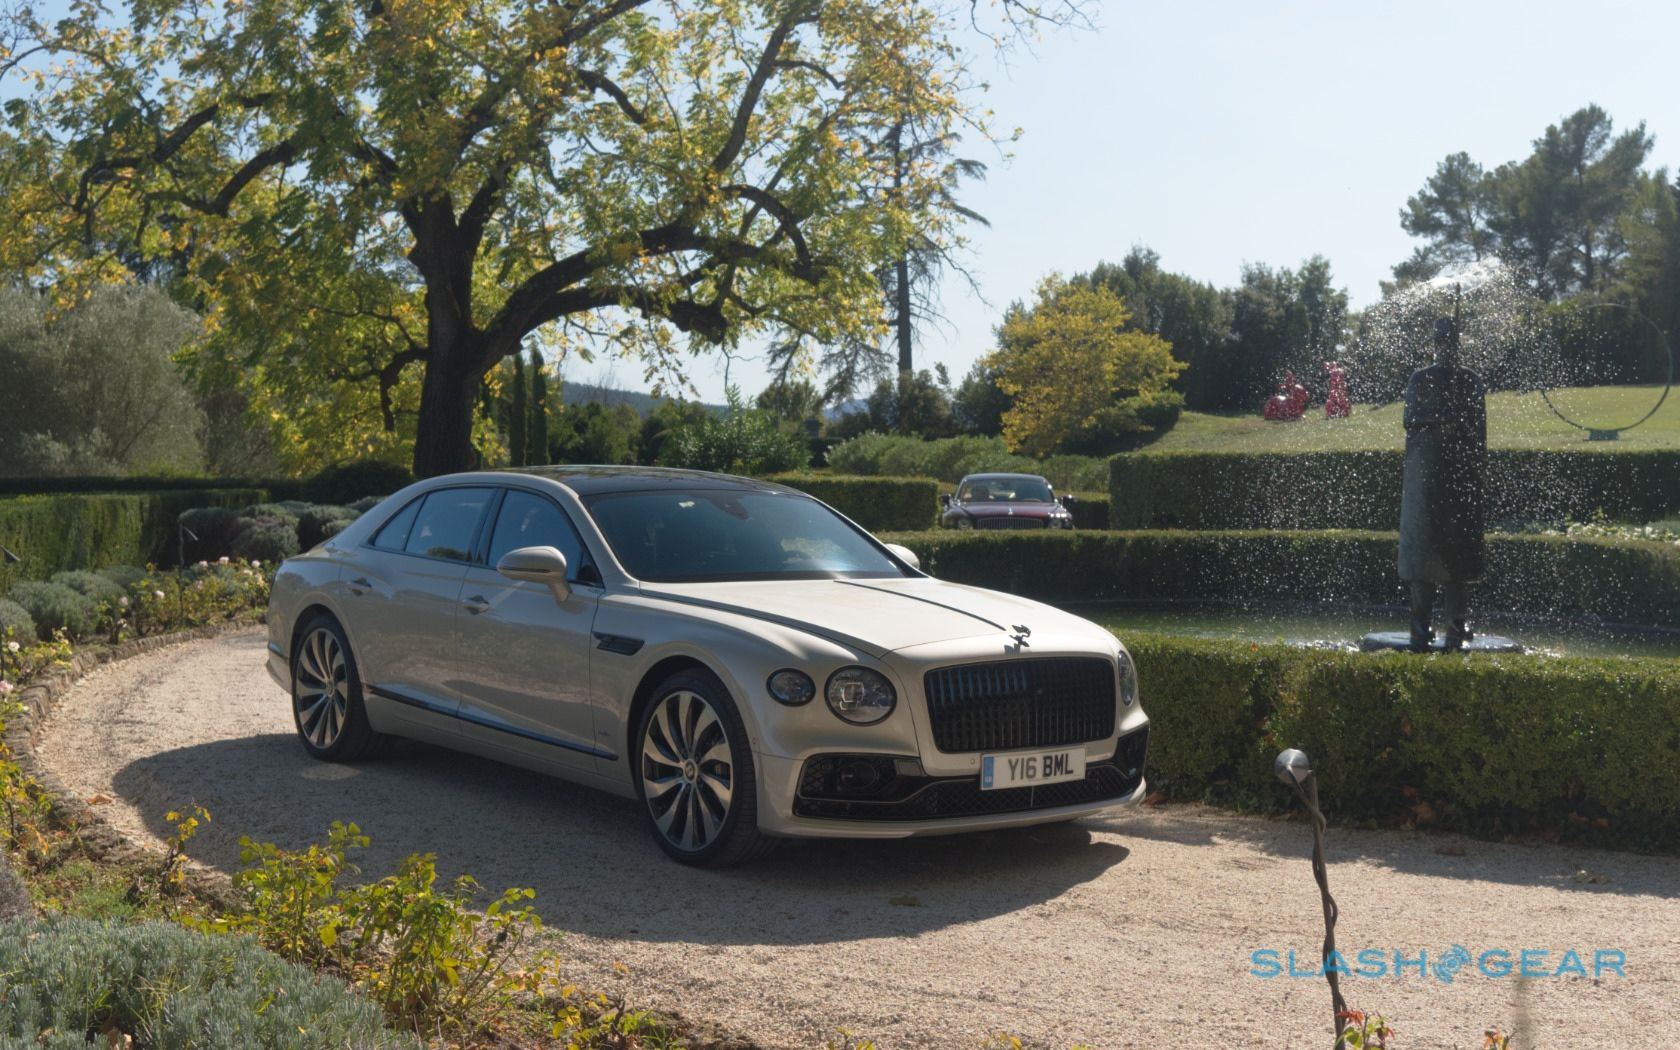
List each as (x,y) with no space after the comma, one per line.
(1290,402)
(1337,404)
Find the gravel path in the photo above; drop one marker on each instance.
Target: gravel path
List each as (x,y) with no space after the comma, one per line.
(1130,931)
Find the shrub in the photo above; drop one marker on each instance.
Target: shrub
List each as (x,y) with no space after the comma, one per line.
(268,539)
(1585,748)
(56,607)
(319,521)
(69,980)
(353,481)
(91,585)
(215,528)
(1361,490)
(365,504)
(949,459)
(16,622)
(1089,510)
(874,503)
(740,441)
(1617,580)
(126,577)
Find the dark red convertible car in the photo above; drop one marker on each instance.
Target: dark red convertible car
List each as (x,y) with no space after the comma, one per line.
(1005,501)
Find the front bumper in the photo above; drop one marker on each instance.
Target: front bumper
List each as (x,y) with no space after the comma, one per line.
(944,804)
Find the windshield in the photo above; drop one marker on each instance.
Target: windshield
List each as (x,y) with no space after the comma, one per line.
(708,535)
(1006,490)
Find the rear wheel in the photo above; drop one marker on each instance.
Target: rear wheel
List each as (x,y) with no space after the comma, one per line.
(694,773)
(327,704)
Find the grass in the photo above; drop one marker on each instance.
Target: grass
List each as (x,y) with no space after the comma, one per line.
(1518,421)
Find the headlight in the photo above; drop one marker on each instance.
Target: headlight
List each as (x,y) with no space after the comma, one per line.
(965,523)
(860,696)
(791,687)
(1128,680)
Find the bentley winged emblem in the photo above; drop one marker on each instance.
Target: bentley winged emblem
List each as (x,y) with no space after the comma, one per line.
(1021,633)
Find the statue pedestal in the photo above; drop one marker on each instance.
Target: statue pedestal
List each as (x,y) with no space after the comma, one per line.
(1382,641)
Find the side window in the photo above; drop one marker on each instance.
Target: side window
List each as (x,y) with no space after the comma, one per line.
(447,523)
(394,534)
(529,520)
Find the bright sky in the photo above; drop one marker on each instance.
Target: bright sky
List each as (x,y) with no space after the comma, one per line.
(1223,132)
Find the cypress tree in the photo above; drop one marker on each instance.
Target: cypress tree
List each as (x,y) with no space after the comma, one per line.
(518,415)
(539,411)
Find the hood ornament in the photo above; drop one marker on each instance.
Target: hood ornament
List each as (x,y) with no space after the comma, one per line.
(1021,634)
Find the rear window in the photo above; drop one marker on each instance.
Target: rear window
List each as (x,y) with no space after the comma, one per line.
(394,534)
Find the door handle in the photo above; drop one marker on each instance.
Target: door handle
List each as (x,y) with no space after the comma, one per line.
(476,604)
(360,585)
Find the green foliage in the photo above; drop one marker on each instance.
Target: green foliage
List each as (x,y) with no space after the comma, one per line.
(1505,744)
(346,482)
(740,441)
(214,527)
(1089,510)
(876,504)
(15,622)
(94,389)
(949,459)
(519,414)
(597,433)
(978,406)
(266,538)
(1067,360)
(95,588)
(54,533)
(1618,581)
(71,979)
(320,521)
(914,403)
(1361,490)
(55,607)
(419,950)
(1195,317)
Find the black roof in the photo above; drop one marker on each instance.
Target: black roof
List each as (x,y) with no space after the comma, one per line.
(595,480)
(999,477)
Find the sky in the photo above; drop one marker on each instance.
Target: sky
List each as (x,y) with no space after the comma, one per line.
(1218,133)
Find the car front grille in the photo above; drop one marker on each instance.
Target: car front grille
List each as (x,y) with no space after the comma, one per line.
(1010,523)
(1011,704)
(938,798)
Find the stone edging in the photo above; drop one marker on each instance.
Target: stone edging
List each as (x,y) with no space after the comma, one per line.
(41,698)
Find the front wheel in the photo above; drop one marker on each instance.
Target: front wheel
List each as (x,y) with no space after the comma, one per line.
(694,773)
(327,705)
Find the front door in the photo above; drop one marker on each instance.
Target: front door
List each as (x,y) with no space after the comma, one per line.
(522,670)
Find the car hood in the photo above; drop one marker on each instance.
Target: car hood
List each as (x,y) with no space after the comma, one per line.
(1012,508)
(880,616)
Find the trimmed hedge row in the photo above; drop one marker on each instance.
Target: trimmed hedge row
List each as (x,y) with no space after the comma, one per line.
(1361,490)
(874,503)
(337,484)
(1587,749)
(72,983)
(55,533)
(1621,581)
(1089,511)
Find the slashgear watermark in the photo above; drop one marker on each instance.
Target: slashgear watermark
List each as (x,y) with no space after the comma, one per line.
(1445,966)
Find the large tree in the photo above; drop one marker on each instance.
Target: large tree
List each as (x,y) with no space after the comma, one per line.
(360,192)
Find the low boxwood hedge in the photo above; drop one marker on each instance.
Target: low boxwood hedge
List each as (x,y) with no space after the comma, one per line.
(1361,490)
(1588,749)
(875,503)
(76,983)
(55,533)
(1089,510)
(1619,581)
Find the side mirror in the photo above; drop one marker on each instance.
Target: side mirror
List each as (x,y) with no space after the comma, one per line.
(905,555)
(945,499)
(544,565)
(1069,500)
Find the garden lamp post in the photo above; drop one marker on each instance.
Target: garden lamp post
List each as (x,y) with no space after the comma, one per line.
(1295,769)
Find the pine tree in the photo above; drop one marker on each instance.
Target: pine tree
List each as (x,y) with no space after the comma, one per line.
(518,415)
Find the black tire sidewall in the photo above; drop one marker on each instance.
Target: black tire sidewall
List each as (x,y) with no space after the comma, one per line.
(356,735)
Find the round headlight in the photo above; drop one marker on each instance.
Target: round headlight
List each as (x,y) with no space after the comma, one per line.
(791,687)
(860,696)
(1128,680)
(965,523)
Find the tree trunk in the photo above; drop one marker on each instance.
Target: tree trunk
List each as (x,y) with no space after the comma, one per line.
(443,438)
(904,322)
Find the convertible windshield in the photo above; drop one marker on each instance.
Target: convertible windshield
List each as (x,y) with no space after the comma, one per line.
(696,535)
(1006,490)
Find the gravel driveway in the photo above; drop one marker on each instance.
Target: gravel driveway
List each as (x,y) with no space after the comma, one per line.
(1130,931)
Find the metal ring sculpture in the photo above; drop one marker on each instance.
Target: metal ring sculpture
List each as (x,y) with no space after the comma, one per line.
(1611,433)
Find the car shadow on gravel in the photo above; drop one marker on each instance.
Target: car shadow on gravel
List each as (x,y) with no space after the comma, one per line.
(1437,854)
(593,864)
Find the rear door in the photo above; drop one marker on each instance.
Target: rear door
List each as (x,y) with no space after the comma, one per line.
(523,668)
(402,597)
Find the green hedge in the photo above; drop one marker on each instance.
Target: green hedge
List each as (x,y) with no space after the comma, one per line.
(1089,510)
(68,981)
(875,503)
(55,533)
(1492,744)
(1361,490)
(1620,581)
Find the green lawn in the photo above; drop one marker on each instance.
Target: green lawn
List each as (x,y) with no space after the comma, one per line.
(1514,421)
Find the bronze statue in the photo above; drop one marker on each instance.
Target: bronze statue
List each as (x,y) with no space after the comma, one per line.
(1441,507)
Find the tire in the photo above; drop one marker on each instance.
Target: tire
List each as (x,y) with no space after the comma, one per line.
(327,708)
(695,776)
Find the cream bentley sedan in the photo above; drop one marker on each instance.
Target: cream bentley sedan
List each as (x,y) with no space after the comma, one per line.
(738,657)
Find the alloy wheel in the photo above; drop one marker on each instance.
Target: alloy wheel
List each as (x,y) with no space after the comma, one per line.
(322,695)
(688,774)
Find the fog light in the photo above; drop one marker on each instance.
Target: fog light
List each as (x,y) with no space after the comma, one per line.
(791,687)
(858,777)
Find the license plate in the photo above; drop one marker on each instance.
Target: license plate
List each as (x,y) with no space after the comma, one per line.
(1030,768)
